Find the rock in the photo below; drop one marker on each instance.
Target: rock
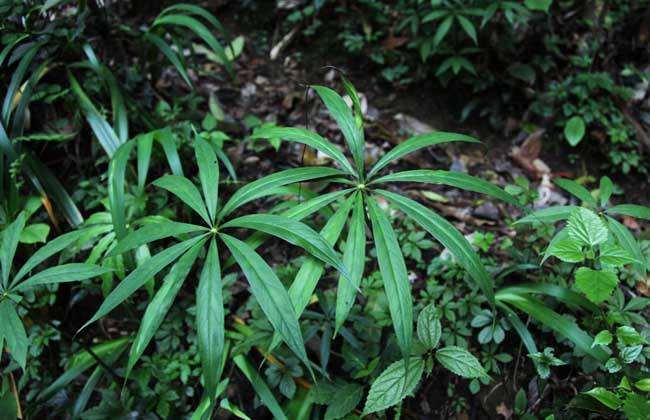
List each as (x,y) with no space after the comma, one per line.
(487,211)
(412,125)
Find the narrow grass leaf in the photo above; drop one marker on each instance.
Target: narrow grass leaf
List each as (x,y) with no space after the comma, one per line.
(10,238)
(61,274)
(548,215)
(632,210)
(575,189)
(152,232)
(208,174)
(261,388)
(170,54)
(186,191)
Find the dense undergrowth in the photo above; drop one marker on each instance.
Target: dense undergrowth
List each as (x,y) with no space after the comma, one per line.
(161,259)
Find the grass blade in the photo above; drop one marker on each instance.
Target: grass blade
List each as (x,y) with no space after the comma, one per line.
(170,54)
(62,273)
(261,388)
(632,210)
(548,215)
(575,189)
(153,232)
(116,187)
(10,238)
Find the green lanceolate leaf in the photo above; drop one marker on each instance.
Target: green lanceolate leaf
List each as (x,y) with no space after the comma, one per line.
(454,179)
(62,273)
(54,246)
(416,143)
(116,176)
(460,361)
(585,227)
(563,294)
(10,238)
(607,398)
(264,186)
(429,328)
(187,192)
(354,257)
(270,294)
(575,189)
(394,384)
(210,319)
(170,54)
(165,137)
(13,332)
(606,190)
(574,130)
(343,115)
(138,277)
(626,240)
(394,275)
(308,138)
(598,285)
(152,232)
(563,326)
(632,210)
(548,215)
(208,174)
(447,235)
(261,388)
(294,232)
(161,302)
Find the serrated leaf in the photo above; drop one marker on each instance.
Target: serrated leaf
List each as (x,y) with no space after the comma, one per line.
(391,386)
(614,255)
(567,250)
(460,361)
(344,400)
(597,285)
(429,329)
(586,227)
(13,332)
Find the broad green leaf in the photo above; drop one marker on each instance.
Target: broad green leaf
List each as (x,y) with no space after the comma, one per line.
(568,250)
(342,113)
(116,186)
(208,174)
(270,294)
(264,186)
(210,323)
(354,257)
(62,273)
(607,398)
(636,407)
(575,189)
(626,240)
(606,189)
(160,304)
(541,5)
(597,285)
(170,54)
(615,255)
(34,233)
(560,236)
(586,227)
(454,179)
(394,276)
(629,336)
(394,384)
(460,361)
(152,232)
(442,30)
(551,319)
(643,384)
(82,361)
(52,247)
(261,388)
(416,143)
(574,129)
(632,210)
(10,238)
(141,275)
(14,332)
(345,399)
(308,138)
(449,236)
(186,191)
(548,215)
(603,338)
(429,329)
